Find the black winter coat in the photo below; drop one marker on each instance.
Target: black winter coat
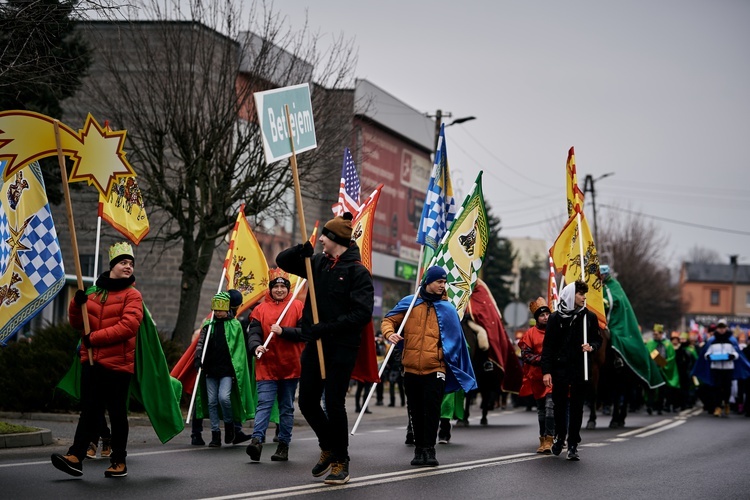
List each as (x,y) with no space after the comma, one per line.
(561,352)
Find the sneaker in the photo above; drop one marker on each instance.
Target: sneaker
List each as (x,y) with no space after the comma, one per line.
(116,469)
(240,437)
(91,451)
(69,464)
(573,452)
(254,449)
(429,457)
(419,457)
(717,411)
(282,453)
(557,446)
(339,473)
(106,447)
(324,463)
(444,434)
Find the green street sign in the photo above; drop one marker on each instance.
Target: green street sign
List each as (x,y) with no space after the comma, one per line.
(273,124)
(406,270)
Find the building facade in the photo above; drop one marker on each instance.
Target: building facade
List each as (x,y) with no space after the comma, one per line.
(713,291)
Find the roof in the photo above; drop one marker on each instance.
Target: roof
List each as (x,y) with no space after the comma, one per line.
(716,273)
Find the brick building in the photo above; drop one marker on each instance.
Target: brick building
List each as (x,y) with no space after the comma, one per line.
(713,291)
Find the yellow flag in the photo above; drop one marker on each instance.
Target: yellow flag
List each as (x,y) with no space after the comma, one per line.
(566,254)
(574,194)
(124,209)
(245,265)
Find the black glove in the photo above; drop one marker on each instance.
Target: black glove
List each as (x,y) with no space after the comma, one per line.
(86,340)
(80,297)
(197,364)
(311,333)
(732,356)
(307,249)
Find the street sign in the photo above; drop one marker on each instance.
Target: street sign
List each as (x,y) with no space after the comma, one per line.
(273,124)
(516,314)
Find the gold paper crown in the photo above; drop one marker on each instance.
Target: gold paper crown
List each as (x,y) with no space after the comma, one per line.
(121,248)
(277,272)
(658,328)
(536,304)
(220,302)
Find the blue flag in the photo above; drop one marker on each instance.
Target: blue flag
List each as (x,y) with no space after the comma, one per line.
(439,207)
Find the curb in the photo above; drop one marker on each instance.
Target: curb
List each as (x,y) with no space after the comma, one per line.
(41,437)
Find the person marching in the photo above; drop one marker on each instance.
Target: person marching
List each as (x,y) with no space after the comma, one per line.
(531,353)
(434,356)
(225,380)
(563,358)
(345,299)
(664,355)
(278,370)
(115,311)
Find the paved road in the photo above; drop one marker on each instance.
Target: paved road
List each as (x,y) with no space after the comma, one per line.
(690,455)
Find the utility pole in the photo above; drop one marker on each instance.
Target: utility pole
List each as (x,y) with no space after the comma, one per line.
(439,115)
(588,187)
(733,263)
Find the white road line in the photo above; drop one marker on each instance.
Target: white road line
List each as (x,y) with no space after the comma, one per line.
(661,429)
(641,429)
(142,454)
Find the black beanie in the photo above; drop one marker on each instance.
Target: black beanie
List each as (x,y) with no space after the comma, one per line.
(339,229)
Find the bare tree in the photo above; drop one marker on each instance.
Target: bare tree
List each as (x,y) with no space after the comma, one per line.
(702,255)
(635,247)
(184,91)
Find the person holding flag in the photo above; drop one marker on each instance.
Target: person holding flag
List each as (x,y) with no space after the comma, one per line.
(563,361)
(345,299)
(277,371)
(115,311)
(435,358)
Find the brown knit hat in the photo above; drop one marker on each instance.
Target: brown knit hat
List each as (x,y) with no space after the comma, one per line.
(339,229)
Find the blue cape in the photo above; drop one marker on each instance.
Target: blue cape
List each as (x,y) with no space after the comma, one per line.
(702,368)
(460,373)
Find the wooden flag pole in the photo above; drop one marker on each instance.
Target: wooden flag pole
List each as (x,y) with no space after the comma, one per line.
(303,229)
(72,229)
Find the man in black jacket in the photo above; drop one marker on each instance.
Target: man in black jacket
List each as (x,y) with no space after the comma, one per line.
(563,358)
(345,297)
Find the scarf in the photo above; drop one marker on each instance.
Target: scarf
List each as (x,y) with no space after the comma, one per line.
(567,309)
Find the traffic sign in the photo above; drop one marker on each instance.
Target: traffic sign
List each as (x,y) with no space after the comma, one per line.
(516,314)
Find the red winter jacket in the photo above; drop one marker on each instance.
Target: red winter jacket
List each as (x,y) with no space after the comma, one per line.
(114,318)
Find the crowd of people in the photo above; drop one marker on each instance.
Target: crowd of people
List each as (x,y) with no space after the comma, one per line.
(288,348)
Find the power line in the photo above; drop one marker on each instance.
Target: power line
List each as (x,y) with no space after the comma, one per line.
(682,223)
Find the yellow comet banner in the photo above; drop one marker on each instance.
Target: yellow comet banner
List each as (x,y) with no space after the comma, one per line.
(97,153)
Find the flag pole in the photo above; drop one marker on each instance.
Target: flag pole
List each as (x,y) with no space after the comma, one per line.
(210,324)
(303,229)
(72,227)
(583,277)
(297,288)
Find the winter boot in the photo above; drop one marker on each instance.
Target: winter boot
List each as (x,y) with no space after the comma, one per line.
(339,473)
(541,445)
(254,449)
(69,464)
(215,439)
(419,457)
(197,439)
(548,445)
(726,410)
(228,432)
(282,453)
(240,437)
(106,447)
(429,457)
(324,463)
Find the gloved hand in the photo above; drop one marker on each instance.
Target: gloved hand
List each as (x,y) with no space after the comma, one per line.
(307,249)
(80,297)
(311,333)
(86,340)
(732,356)
(197,364)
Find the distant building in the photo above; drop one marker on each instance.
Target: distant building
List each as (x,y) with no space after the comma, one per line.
(527,251)
(713,291)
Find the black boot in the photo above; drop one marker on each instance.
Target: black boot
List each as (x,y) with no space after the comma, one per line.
(215,439)
(282,453)
(228,432)
(240,437)
(197,440)
(429,457)
(419,457)
(254,449)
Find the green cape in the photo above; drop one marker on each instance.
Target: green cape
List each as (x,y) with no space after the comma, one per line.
(669,372)
(626,336)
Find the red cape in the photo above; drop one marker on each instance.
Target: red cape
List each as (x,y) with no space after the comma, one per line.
(366,367)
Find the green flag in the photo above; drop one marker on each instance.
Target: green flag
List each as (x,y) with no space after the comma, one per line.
(626,335)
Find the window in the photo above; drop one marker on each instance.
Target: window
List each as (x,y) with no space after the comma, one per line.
(714,297)
(747,299)
(87,265)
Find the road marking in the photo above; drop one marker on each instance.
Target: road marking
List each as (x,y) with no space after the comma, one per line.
(648,427)
(141,454)
(389,477)
(661,429)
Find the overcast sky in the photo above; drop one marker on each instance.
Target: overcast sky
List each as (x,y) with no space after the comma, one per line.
(656,91)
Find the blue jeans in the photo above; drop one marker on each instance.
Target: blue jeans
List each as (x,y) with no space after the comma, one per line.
(268,391)
(219,395)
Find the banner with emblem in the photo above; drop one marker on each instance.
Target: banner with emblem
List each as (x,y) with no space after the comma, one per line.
(124,209)
(245,265)
(462,249)
(31,265)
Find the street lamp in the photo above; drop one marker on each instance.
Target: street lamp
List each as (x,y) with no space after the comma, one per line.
(439,115)
(588,186)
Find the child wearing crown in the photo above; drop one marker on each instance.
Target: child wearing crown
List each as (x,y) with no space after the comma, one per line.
(225,380)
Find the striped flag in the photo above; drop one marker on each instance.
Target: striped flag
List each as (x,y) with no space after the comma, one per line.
(245,265)
(349,188)
(552,296)
(439,206)
(31,264)
(462,250)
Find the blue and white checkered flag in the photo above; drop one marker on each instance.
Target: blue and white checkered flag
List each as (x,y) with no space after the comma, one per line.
(439,206)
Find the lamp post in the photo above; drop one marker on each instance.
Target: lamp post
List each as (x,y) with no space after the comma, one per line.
(588,186)
(439,115)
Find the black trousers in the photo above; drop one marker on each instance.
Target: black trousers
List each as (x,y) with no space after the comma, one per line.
(102,389)
(424,396)
(330,425)
(568,409)
(722,380)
